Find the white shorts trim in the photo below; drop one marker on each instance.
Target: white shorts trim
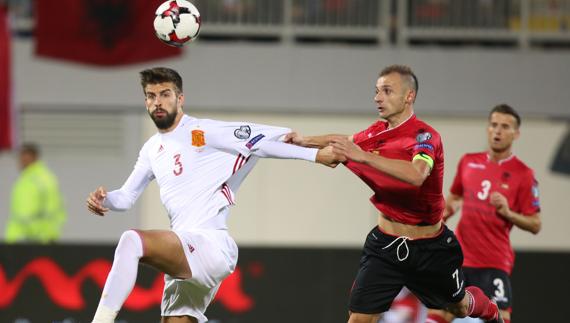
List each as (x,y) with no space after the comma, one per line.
(212,256)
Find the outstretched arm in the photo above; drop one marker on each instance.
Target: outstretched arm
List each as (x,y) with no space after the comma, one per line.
(313,141)
(99,201)
(268,142)
(412,172)
(277,149)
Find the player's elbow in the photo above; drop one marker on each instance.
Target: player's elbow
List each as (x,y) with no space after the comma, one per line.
(125,205)
(122,207)
(416,179)
(416,182)
(120,201)
(536,227)
(418,173)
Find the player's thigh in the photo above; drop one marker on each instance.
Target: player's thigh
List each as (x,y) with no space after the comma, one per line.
(178,319)
(380,276)
(438,277)
(163,251)
(374,290)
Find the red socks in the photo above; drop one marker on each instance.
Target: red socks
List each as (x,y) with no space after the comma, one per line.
(480,305)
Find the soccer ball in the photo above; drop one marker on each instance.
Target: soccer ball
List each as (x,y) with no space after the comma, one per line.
(177,22)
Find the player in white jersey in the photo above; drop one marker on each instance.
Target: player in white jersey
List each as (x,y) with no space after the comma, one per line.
(198,164)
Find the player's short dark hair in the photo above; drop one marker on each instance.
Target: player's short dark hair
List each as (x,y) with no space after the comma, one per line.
(158,75)
(506,109)
(30,148)
(407,75)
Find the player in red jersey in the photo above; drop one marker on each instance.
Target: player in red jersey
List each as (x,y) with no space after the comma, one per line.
(401,160)
(497,191)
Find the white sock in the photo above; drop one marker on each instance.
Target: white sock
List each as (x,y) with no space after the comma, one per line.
(122,277)
(104,314)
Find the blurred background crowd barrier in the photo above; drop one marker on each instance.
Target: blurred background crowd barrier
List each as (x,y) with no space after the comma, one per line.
(510,22)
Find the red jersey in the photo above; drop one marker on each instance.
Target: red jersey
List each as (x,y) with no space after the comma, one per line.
(396,199)
(482,233)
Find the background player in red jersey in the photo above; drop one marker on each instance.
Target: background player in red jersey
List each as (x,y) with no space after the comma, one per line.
(401,160)
(497,191)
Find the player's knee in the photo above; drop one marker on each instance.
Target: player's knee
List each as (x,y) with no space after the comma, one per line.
(363,318)
(440,316)
(506,314)
(129,243)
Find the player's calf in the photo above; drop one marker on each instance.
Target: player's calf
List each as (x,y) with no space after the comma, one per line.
(476,304)
(121,278)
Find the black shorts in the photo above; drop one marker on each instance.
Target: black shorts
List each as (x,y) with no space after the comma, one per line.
(430,268)
(495,283)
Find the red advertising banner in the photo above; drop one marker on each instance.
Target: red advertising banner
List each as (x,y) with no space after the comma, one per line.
(100,32)
(63,283)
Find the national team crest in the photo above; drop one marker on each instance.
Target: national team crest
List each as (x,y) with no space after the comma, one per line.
(198,139)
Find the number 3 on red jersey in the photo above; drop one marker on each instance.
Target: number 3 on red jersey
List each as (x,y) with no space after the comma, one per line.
(485,188)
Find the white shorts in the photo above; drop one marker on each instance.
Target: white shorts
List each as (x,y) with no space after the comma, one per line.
(212,256)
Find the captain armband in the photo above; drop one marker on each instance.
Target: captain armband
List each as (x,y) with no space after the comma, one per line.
(425,157)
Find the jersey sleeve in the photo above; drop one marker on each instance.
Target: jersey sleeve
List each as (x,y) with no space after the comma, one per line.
(125,197)
(528,200)
(359,136)
(241,137)
(364,134)
(457,185)
(428,147)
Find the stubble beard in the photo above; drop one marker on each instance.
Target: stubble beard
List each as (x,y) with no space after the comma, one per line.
(164,122)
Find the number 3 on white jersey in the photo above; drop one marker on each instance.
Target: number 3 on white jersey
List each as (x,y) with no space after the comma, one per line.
(177,165)
(485,187)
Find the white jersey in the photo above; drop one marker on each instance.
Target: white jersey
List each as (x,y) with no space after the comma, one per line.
(198,166)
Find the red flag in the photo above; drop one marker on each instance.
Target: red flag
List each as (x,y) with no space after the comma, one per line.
(101,32)
(6,126)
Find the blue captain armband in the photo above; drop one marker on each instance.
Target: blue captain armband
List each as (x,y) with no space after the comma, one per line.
(425,157)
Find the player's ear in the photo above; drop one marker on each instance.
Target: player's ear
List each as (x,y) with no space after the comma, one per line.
(181,99)
(411,96)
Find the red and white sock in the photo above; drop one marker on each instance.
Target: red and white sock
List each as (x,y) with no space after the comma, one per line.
(122,277)
(480,305)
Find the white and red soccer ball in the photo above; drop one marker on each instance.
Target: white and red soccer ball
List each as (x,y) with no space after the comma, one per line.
(177,22)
